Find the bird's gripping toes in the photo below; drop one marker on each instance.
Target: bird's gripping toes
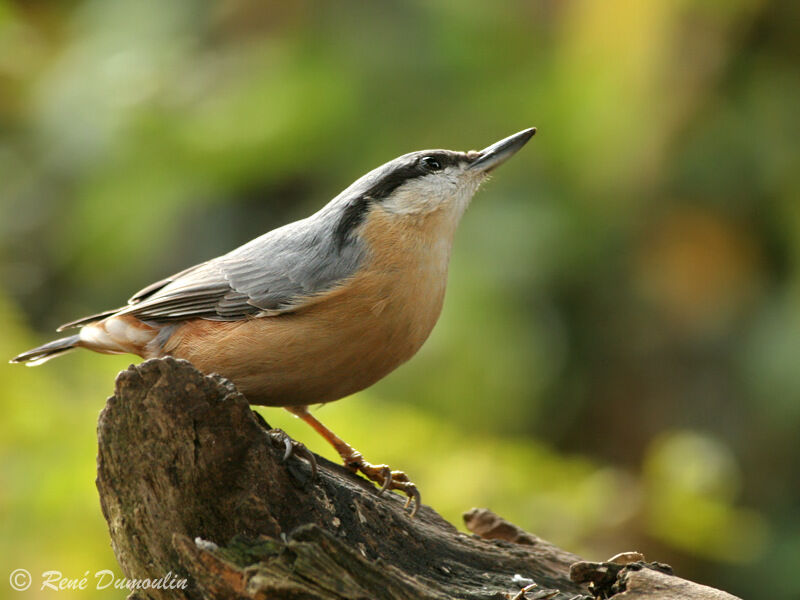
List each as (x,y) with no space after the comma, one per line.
(318,309)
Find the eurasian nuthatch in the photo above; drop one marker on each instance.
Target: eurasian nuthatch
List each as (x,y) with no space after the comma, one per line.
(318,309)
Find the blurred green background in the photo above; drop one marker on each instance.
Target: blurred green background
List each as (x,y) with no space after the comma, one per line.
(617,365)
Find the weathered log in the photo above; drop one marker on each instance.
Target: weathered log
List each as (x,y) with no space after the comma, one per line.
(194,486)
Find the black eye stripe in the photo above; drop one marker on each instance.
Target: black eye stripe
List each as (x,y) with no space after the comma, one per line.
(384,182)
(387,184)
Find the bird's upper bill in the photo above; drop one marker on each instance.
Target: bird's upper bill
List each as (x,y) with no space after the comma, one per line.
(496,154)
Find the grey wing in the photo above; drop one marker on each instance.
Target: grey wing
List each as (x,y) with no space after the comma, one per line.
(273,274)
(135,299)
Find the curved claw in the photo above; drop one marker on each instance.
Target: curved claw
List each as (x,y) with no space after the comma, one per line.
(387,481)
(287,442)
(293,448)
(414,499)
(301,450)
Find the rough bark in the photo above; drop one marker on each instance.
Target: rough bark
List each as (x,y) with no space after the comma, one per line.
(191,483)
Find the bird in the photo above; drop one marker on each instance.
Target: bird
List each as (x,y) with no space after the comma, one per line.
(317,309)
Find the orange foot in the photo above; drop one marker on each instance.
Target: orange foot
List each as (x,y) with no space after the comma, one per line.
(385,477)
(380,474)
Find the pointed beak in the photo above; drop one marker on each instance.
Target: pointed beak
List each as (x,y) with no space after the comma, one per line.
(496,154)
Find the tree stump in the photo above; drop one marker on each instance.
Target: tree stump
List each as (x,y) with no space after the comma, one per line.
(193,486)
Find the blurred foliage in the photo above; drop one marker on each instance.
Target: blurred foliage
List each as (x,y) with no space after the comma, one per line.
(616,364)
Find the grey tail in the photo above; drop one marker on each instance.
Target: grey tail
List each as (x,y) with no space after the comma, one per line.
(50,350)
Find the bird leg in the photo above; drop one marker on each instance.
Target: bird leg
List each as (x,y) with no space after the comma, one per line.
(380,474)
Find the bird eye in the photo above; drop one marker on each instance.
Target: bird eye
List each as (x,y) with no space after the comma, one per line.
(431,163)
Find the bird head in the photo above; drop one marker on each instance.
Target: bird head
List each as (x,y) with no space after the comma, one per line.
(423,183)
(441,180)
